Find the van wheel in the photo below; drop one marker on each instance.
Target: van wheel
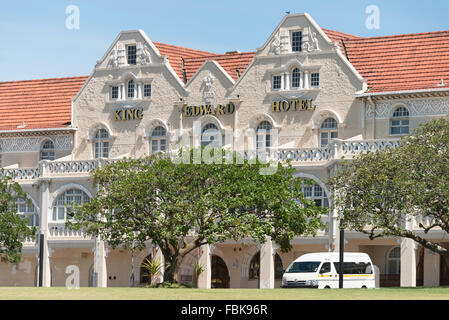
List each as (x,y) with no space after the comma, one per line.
(364,287)
(327,287)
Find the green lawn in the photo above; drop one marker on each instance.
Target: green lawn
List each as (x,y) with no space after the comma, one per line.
(17,293)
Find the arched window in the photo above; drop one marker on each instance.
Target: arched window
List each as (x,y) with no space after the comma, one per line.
(394,261)
(158,140)
(316,193)
(47,151)
(296,78)
(26,209)
(131,89)
(254,267)
(328,130)
(399,123)
(64,203)
(101,144)
(210,135)
(263,138)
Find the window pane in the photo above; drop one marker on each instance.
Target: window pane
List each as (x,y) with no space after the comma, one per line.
(296,76)
(276,82)
(296,41)
(131,54)
(147,90)
(315,79)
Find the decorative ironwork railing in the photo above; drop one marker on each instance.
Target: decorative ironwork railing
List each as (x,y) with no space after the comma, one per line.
(72,166)
(361,146)
(21,173)
(336,150)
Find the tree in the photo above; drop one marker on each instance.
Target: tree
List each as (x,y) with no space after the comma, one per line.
(381,193)
(182,206)
(13,228)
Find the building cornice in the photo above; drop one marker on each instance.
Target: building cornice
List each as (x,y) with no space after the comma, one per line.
(37,132)
(420,93)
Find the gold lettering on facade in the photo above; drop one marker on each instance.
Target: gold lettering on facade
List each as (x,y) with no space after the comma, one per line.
(292,104)
(194,111)
(128,114)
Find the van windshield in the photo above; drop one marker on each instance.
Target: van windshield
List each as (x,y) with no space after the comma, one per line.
(303,267)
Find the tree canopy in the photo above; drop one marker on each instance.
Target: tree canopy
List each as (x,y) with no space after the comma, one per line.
(13,228)
(391,192)
(181,206)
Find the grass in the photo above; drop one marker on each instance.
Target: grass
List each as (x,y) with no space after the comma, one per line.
(62,293)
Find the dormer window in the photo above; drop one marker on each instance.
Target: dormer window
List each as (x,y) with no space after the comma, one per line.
(296,37)
(132,54)
(276,80)
(296,78)
(131,89)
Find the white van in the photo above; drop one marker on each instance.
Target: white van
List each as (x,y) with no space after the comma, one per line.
(320,270)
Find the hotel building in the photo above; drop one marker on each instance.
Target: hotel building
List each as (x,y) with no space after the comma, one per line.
(327,94)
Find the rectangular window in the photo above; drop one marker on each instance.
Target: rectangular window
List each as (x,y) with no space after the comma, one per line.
(315,80)
(114,92)
(132,54)
(297,41)
(276,82)
(354,267)
(147,90)
(399,127)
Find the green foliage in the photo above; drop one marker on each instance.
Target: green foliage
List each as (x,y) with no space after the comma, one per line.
(198,269)
(170,285)
(381,193)
(158,199)
(153,267)
(13,229)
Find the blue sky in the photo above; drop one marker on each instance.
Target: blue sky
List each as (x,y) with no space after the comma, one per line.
(37,44)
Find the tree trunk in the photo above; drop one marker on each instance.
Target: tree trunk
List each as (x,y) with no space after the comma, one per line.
(171,272)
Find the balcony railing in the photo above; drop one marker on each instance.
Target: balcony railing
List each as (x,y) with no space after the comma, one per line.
(335,151)
(59,231)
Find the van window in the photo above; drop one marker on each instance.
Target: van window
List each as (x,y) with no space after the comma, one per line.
(325,268)
(354,267)
(303,267)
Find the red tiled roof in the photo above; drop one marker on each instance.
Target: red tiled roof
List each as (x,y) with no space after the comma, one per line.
(401,62)
(234,63)
(336,36)
(175,55)
(389,63)
(44,103)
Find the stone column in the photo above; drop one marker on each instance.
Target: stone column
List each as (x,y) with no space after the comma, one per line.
(267,265)
(408,263)
(287,80)
(100,269)
(204,280)
(44,251)
(431,268)
(157,253)
(306,79)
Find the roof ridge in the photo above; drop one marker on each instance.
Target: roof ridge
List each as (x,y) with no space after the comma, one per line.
(401,35)
(46,79)
(176,46)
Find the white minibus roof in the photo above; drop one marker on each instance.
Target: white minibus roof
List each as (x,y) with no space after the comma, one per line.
(334,257)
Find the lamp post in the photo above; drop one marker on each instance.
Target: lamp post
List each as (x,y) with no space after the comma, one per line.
(342,250)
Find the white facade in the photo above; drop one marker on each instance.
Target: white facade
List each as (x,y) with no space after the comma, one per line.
(102,127)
